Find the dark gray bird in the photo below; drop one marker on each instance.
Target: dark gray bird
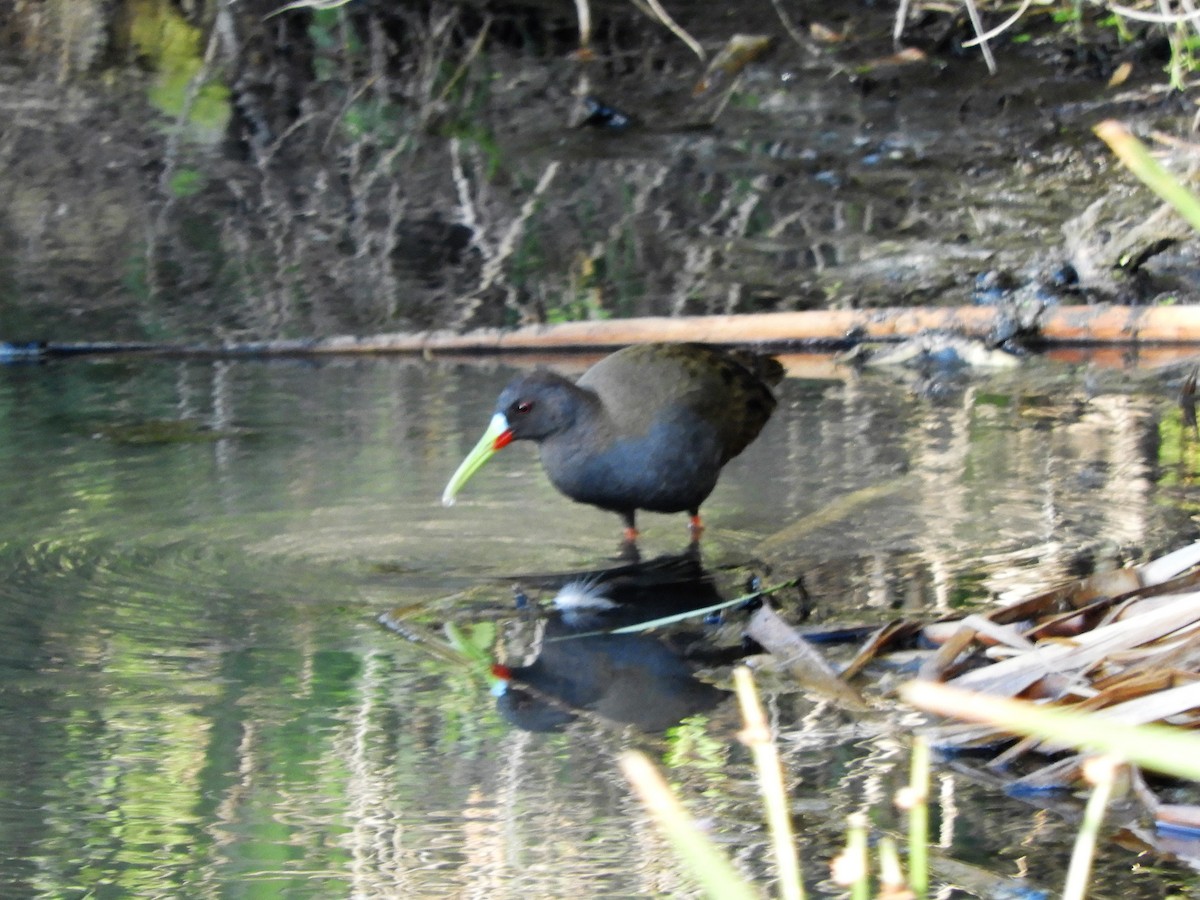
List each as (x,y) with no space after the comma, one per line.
(649,427)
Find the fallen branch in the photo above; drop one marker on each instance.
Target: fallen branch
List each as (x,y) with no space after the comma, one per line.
(1057,325)
(1054,326)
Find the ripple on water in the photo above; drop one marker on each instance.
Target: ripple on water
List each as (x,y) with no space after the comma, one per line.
(194,694)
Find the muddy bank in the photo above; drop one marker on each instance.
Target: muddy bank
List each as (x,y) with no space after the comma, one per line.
(364,170)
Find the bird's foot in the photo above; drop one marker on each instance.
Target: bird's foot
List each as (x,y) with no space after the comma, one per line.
(628,551)
(695,528)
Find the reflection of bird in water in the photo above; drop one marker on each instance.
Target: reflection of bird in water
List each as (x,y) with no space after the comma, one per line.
(636,679)
(649,427)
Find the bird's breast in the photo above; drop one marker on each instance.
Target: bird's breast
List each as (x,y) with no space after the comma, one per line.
(664,470)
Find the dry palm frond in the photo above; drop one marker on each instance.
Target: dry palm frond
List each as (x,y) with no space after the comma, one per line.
(1124,645)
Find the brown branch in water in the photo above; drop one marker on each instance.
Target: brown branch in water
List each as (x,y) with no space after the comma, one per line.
(1056,326)
(1063,326)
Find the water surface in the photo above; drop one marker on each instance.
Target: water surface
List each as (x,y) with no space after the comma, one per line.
(197,698)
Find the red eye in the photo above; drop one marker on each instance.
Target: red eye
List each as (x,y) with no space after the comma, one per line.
(522,406)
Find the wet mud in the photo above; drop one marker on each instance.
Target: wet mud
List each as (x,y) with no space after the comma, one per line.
(377,169)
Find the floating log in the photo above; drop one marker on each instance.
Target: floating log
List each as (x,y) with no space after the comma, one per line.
(1055,326)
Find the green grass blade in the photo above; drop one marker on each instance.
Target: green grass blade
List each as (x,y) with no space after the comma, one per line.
(707,864)
(918,820)
(856,855)
(1135,156)
(1158,747)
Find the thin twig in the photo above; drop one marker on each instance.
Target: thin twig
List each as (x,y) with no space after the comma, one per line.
(901,21)
(306,4)
(675,28)
(1002,27)
(584,13)
(171,151)
(1156,18)
(793,32)
(977,24)
(345,108)
(1103,772)
(1191,11)
(466,63)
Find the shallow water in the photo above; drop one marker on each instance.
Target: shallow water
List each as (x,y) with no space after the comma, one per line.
(197,698)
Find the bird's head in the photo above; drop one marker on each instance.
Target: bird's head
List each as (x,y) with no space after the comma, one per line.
(532,408)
